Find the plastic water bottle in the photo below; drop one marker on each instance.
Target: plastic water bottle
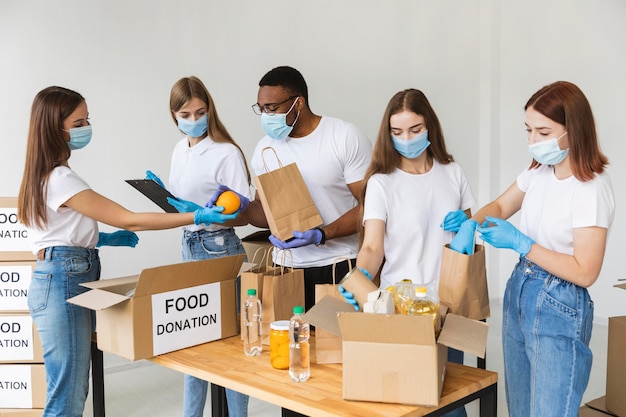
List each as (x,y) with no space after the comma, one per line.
(299,358)
(252,325)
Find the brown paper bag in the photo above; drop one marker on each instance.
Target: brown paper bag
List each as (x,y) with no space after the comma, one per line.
(286,201)
(328,345)
(463,283)
(283,289)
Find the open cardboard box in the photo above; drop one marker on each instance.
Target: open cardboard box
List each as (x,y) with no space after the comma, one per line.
(165,308)
(616,365)
(394,358)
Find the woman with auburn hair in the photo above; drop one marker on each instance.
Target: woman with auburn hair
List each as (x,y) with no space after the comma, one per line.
(567,205)
(205,162)
(62,213)
(411,183)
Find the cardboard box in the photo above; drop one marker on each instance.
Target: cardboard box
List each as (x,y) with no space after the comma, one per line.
(616,367)
(595,408)
(15,277)
(165,308)
(395,358)
(19,340)
(14,244)
(255,241)
(22,386)
(15,412)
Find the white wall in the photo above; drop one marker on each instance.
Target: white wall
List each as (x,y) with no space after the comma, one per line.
(478,61)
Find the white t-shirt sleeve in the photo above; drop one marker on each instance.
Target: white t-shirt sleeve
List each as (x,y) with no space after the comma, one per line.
(375,206)
(358,154)
(63,184)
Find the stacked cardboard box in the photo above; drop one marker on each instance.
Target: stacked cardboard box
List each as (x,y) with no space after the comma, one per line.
(614,403)
(23,384)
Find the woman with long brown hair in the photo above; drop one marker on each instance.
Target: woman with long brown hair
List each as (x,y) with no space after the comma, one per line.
(62,213)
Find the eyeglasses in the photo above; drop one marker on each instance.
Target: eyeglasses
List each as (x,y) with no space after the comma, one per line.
(269,109)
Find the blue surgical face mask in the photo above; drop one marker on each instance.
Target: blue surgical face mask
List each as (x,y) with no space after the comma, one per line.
(79,137)
(194,129)
(411,148)
(275,125)
(547,152)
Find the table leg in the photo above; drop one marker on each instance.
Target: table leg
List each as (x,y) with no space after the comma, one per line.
(489,402)
(219,406)
(97,380)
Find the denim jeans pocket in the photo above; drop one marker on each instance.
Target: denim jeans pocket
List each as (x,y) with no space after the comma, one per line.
(39,292)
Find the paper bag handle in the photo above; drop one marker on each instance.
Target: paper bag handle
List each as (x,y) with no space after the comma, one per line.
(280,164)
(342,258)
(264,252)
(283,259)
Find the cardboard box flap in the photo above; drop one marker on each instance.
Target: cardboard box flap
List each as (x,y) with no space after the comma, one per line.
(385,328)
(324,314)
(622,286)
(98,299)
(166,278)
(464,334)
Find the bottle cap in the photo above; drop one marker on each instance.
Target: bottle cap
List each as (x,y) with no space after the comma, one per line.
(298,310)
(421,292)
(251,291)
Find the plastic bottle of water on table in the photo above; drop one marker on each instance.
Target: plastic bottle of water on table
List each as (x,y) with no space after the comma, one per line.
(251,325)
(299,358)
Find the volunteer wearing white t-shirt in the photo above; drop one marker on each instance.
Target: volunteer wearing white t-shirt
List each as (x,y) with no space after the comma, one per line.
(566,203)
(62,213)
(332,156)
(205,158)
(412,184)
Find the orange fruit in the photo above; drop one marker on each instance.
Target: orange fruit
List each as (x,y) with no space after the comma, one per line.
(230,201)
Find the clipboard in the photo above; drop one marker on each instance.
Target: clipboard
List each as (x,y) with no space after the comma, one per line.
(154,192)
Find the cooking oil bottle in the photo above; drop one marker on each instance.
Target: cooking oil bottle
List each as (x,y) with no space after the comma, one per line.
(423,305)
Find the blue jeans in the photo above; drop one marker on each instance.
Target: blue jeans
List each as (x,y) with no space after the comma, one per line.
(65,329)
(198,246)
(546,328)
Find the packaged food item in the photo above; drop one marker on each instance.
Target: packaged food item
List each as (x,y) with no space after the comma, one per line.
(279,344)
(414,299)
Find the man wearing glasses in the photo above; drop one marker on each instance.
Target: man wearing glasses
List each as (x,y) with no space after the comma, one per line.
(332,156)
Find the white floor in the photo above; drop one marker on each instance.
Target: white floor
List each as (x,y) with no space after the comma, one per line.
(139,389)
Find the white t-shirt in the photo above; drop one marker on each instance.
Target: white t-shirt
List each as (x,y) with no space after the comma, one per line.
(196,172)
(335,154)
(66,227)
(413,206)
(552,208)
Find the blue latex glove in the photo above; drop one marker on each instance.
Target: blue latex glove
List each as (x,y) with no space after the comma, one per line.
(348,296)
(152,176)
(220,189)
(208,215)
(463,242)
(183,206)
(453,220)
(309,237)
(118,238)
(504,235)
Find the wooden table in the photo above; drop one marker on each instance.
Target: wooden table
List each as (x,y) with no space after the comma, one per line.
(223,363)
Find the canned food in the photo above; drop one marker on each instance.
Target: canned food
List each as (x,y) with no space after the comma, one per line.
(279,344)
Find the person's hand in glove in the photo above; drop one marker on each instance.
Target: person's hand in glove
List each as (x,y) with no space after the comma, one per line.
(309,237)
(348,296)
(208,215)
(220,189)
(117,238)
(504,235)
(463,242)
(183,206)
(152,176)
(453,220)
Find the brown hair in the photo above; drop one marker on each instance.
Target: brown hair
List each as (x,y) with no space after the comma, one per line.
(191,87)
(46,149)
(566,104)
(385,158)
